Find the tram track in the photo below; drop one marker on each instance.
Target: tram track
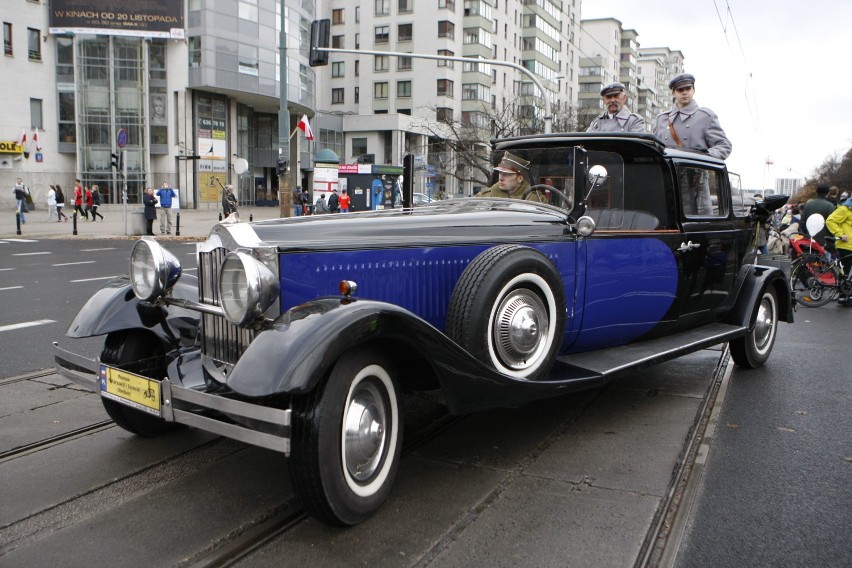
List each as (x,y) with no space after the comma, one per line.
(45,443)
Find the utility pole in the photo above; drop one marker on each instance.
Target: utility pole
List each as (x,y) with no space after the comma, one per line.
(285,196)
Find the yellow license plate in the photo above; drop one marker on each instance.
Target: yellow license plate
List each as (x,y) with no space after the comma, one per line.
(130,389)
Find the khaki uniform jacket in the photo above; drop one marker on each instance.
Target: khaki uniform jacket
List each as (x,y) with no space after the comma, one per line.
(495,191)
(624,121)
(698,129)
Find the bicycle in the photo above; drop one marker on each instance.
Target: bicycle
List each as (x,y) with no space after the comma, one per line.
(815,280)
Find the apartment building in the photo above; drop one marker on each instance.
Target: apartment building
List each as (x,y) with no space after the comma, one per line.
(389,105)
(656,67)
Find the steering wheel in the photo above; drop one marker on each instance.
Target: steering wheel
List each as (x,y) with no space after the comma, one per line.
(547,188)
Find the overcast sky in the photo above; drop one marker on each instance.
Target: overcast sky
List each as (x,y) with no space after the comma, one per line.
(777,72)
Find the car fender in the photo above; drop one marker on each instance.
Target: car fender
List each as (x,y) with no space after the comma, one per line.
(115,308)
(754,279)
(302,345)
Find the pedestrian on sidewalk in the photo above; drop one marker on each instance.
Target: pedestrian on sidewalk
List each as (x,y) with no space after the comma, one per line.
(78,200)
(150,203)
(51,203)
(21,192)
(96,202)
(60,203)
(165,194)
(88,205)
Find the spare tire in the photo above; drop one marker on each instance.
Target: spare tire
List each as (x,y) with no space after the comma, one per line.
(508,310)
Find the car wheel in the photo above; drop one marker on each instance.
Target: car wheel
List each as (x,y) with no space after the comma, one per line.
(346,440)
(508,310)
(753,349)
(142,354)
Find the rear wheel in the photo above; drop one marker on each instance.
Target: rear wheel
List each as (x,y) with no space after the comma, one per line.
(753,349)
(142,354)
(812,281)
(346,440)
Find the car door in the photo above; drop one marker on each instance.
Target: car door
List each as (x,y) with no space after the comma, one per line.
(707,253)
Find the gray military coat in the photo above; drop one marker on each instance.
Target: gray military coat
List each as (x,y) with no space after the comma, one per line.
(624,121)
(697,128)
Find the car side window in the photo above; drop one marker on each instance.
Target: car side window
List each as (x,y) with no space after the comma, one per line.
(700,191)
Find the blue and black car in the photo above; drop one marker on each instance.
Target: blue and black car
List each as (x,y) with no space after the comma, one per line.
(301,334)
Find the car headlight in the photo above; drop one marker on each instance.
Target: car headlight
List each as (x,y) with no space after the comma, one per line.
(153,269)
(585,226)
(246,288)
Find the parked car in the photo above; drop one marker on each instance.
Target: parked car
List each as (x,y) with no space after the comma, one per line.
(300,334)
(421,199)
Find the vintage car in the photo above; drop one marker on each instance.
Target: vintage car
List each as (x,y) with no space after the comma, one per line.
(301,334)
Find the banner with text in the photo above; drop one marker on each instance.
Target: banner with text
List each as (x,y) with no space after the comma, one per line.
(142,18)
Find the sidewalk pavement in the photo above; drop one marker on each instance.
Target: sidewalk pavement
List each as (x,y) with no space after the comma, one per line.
(194,223)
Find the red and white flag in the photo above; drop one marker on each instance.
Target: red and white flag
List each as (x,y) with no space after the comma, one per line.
(35,139)
(305,127)
(23,141)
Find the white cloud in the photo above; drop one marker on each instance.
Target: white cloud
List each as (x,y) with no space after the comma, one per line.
(775,71)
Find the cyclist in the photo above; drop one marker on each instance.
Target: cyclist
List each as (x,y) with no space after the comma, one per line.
(840,225)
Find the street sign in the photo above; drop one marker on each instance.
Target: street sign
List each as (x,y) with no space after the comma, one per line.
(121,138)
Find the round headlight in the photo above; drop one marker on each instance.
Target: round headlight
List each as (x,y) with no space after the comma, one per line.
(246,288)
(585,226)
(153,269)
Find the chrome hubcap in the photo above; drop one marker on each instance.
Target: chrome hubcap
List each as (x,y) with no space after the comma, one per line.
(364,431)
(763,327)
(520,328)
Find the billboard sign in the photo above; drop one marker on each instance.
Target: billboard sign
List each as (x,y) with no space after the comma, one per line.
(143,18)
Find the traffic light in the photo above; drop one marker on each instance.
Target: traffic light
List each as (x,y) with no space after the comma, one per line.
(283,165)
(320,36)
(115,161)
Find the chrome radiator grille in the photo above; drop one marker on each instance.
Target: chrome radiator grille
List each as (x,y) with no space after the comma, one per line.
(220,339)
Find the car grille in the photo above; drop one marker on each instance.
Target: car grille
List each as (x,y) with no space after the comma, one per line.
(221,340)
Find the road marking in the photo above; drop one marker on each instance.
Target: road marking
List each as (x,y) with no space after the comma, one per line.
(93,279)
(29,253)
(74,263)
(2,269)
(97,250)
(15,326)
(10,288)
(20,240)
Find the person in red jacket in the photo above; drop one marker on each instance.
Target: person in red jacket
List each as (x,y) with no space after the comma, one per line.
(78,200)
(89,204)
(344,202)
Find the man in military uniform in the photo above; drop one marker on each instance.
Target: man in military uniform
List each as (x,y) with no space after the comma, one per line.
(513,173)
(688,126)
(616,117)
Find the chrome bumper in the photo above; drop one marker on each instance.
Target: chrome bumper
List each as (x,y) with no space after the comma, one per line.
(84,372)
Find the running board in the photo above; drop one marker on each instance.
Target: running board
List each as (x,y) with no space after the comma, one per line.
(612,360)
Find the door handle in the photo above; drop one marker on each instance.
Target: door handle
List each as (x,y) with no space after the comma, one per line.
(688,246)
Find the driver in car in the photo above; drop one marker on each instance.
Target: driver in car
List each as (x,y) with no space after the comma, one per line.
(512,181)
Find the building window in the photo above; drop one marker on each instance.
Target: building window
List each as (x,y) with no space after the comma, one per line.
(404,32)
(357,95)
(381,63)
(445,88)
(337,96)
(403,64)
(357,14)
(444,114)
(382,7)
(359,146)
(36,118)
(34,44)
(337,16)
(382,34)
(337,42)
(446,29)
(448,4)
(406,6)
(357,41)
(338,69)
(248,63)
(195,51)
(446,53)
(248,10)
(157,61)
(357,67)
(7,38)
(67,117)
(403,89)
(380,90)
(64,60)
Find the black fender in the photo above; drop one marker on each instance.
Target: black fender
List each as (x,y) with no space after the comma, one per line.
(115,308)
(298,350)
(753,280)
